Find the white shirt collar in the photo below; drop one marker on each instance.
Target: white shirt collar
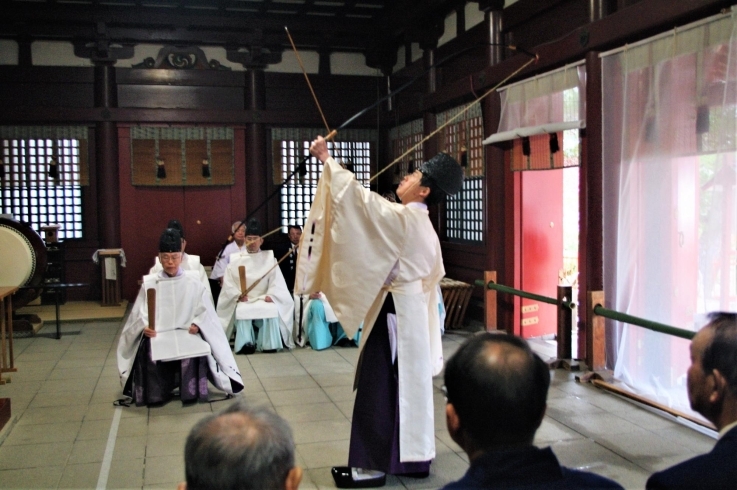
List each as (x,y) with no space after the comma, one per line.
(727,428)
(164,275)
(417,205)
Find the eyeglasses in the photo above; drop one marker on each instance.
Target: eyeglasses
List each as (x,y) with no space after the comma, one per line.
(166,257)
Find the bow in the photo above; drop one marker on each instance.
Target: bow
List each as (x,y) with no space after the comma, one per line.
(302,168)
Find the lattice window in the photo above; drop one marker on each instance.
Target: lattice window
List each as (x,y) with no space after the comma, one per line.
(291,146)
(403,138)
(464,212)
(463,140)
(41,183)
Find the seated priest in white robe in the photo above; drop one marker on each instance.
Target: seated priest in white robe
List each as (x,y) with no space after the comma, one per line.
(260,302)
(316,323)
(183,345)
(189,262)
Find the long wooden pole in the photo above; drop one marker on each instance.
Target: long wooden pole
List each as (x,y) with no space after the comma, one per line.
(151,301)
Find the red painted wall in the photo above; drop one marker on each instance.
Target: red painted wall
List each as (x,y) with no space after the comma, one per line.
(206,214)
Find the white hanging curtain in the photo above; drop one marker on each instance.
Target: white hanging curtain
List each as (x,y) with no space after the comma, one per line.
(545,99)
(670,230)
(548,110)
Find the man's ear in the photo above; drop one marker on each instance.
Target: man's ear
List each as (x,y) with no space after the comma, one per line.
(423,191)
(720,387)
(293,479)
(453,423)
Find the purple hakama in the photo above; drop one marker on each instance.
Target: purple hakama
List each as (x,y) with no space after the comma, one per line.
(375,427)
(153,381)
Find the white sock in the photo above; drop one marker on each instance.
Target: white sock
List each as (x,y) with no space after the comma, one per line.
(363,474)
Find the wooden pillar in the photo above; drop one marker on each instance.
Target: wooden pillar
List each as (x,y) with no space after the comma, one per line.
(25,58)
(106,157)
(565,322)
(493,10)
(595,333)
(428,58)
(256,162)
(490,302)
(590,241)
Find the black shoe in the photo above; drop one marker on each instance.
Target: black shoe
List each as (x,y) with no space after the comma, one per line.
(269,351)
(247,349)
(343,477)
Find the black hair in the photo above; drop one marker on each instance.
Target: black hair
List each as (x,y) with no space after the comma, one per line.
(239,449)
(721,353)
(436,193)
(501,400)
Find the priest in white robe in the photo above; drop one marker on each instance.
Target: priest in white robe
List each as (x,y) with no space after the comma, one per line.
(380,263)
(186,346)
(237,244)
(263,302)
(189,262)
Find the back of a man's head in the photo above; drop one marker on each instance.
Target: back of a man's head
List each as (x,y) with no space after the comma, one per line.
(498,388)
(241,448)
(721,352)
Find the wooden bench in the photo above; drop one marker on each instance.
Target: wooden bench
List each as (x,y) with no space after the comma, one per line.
(456,295)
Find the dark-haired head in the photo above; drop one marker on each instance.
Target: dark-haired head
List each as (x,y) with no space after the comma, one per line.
(712,376)
(498,388)
(721,353)
(241,448)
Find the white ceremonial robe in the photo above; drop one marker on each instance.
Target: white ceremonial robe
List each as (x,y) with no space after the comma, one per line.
(180,301)
(352,240)
(189,263)
(258,265)
(221,263)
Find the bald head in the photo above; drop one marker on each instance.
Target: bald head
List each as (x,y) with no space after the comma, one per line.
(241,448)
(498,388)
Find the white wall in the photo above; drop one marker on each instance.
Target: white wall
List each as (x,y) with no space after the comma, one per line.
(289,63)
(350,64)
(8,52)
(55,53)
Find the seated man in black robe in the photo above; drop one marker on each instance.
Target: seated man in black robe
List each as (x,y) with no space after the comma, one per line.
(496,389)
(712,391)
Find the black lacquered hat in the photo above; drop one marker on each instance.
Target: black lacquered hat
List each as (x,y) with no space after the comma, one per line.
(170,241)
(445,172)
(175,224)
(253,228)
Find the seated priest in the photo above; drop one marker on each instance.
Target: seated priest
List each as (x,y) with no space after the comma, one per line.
(173,337)
(236,243)
(189,262)
(254,295)
(316,323)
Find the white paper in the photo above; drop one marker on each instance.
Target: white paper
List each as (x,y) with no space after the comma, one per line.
(177,344)
(111,271)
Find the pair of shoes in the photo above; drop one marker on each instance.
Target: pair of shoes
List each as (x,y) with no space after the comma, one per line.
(343,477)
(269,351)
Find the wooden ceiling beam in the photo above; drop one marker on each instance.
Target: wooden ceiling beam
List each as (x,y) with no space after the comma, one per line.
(57,22)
